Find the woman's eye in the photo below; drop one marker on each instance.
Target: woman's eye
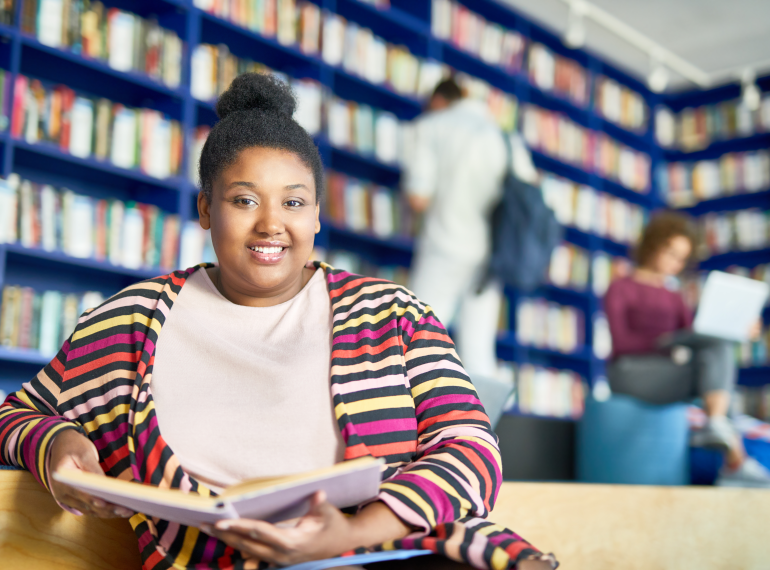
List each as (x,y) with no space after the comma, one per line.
(245,202)
(293,203)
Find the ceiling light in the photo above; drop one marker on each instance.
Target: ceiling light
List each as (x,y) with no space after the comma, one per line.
(575,37)
(750,95)
(657,80)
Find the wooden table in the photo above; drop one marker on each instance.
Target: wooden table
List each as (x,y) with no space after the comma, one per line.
(589,527)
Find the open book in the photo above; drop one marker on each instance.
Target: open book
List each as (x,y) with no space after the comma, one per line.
(346,484)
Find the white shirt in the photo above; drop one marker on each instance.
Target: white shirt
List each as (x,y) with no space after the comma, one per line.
(244,392)
(458,161)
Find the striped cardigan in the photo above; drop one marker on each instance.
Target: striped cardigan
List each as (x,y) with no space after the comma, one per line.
(399,392)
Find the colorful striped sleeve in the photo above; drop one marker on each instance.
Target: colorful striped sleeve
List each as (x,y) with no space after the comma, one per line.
(29,420)
(457,468)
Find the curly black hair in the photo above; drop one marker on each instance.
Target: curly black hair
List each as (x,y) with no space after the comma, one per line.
(256,111)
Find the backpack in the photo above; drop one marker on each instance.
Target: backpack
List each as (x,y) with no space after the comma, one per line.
(524,233)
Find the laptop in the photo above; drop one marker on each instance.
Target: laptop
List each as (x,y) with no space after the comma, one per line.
(729,306)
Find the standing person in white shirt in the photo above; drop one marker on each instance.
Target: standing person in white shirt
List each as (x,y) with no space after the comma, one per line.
(454,175)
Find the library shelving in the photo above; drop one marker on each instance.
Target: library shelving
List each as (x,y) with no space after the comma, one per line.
(405,23)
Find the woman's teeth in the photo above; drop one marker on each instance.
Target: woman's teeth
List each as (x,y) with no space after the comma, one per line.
(267,249)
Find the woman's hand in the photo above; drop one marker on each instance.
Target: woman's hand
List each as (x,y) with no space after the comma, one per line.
(324,532)
(756,330)
(72,450)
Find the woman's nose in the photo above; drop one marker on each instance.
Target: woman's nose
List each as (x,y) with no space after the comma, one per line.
(270,220)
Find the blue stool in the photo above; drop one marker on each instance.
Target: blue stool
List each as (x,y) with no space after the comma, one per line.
(627,441)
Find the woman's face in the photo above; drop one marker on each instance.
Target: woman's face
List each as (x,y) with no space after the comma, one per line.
(672,257)
(263,218)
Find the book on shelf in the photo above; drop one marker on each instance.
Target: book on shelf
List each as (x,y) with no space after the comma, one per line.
(695,128)
(358,51)
(602,336)
(549,392)
(285,20)
(569,267)
(582,207)
(683,184)
(563,76)
(125,234)
(490,42)
(125,41)
(547,325)
(41,321)
(6,81)
(620,105)
(366,208)
(275,499)
(365,130)
(558,136)
(743,230)
(86,127)
(7,12)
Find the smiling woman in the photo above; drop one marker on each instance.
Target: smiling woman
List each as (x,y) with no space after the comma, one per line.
(268,365)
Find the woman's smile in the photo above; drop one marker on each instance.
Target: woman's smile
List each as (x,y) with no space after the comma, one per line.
(268,252)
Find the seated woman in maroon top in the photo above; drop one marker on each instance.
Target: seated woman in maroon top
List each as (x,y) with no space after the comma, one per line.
(656,357)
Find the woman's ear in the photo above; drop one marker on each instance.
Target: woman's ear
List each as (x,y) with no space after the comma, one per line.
(204,211)
(317,217)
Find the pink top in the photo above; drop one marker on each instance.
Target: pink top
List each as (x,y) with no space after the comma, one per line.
(244,392)
(638,314)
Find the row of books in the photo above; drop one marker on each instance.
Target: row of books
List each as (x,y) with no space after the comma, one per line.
(569,267)
(213,68)
(620,105)
(366,208)
(354,263)
(125,234)
(7,12)
(125,41)
(753,401)
(289,22)
(360,52)
(41,321)
(547,325)
(589,210)
(557,135)
(496,45)
(695,128)
(605,269)
(744,230)
(683,184)
(490,42)
(549,392)
(364,130)
(563,76)
(85,127)
(340,43)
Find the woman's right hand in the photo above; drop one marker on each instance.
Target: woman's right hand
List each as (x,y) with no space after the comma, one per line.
(73,450)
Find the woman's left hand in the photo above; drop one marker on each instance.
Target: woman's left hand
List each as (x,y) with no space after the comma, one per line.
(756,330)
(323,532)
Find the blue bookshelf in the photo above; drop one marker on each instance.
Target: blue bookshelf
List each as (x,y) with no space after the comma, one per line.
(407,23)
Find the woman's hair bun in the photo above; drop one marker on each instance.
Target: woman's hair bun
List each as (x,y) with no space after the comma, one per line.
(258,91)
